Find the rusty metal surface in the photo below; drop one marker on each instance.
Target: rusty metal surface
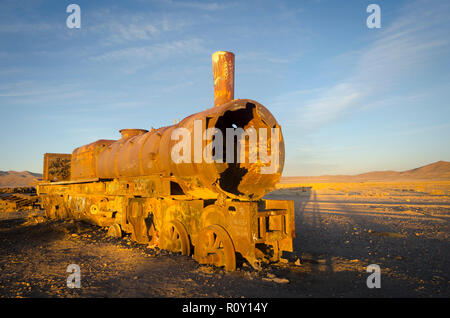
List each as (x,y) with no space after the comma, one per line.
(56,167)
(223,77)
(260,230)
(84,159)
(212,210)
(148,153)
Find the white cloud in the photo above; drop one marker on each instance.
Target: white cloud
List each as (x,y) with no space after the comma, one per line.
(265,57)
(411,42)
(135,27)
(153,52)
(11,70)
(199,5)
(119,27)
(26,27)
(34,88)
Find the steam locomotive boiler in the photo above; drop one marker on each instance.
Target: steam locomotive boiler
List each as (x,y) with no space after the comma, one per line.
(161,186)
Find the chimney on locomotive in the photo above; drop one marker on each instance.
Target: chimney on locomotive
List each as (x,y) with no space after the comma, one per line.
(223,76)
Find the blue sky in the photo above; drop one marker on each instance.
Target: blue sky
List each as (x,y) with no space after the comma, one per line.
(349,99)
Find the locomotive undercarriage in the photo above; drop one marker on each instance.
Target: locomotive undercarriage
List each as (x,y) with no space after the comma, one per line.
(218,231)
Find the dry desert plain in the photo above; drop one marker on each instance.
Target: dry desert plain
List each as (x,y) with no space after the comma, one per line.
(341,228)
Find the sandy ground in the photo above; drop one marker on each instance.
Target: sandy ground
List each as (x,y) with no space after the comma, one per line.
(340,230)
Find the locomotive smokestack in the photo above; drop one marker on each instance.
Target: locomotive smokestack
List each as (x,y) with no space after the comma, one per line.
(223,76)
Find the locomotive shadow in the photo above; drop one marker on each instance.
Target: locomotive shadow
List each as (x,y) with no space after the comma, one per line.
(337,240)
(32,229)
(29,235)
(301,196)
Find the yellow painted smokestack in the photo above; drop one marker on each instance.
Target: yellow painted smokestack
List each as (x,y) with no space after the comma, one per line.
(223,76)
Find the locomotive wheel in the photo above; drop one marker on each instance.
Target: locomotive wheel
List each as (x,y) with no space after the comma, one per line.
(114,231)
(215,247)
(174,238)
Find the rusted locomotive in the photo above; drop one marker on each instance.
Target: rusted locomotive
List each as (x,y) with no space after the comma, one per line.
(211,209)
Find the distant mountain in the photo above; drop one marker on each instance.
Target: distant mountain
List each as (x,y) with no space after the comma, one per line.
(12,179)
(433,172)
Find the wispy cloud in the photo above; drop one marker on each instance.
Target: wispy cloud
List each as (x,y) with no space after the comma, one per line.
(420,129)
(200,5)
(266,57)
(106,26)
(45,95)
(11,70)
(122,28)
(409,43)
(34,88)
(26,27)
(153,52)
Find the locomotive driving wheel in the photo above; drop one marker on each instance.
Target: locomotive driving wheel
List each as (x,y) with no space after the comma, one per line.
(174,238)
(114,231)
(215,247)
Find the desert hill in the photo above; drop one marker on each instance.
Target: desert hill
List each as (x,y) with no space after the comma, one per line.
(437,171)
(12,179)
